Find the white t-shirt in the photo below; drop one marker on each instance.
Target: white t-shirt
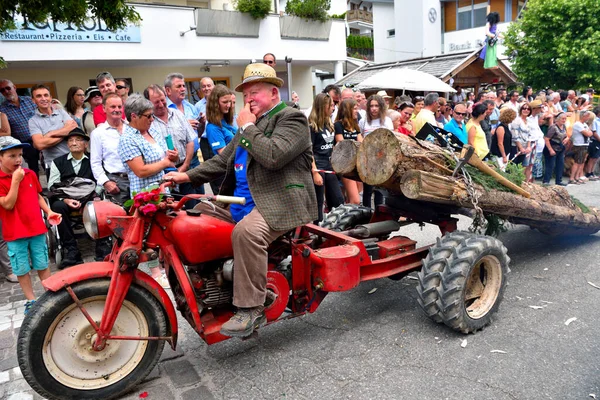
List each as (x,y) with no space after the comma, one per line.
(368,127)
(577,137)
(535,133)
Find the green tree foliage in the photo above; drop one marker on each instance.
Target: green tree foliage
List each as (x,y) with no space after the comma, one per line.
(115,13)
(309,9)
(556,43)
(359,42)
(258,9)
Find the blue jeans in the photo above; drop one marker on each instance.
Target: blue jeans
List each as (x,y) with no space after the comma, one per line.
(554,164)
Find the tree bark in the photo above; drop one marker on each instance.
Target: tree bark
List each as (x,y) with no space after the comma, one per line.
(384,157)
(548,217)
(343,158)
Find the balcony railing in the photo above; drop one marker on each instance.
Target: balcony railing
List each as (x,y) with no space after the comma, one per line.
(359,16)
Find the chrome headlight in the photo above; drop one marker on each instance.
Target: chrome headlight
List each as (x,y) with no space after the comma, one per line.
(90,222)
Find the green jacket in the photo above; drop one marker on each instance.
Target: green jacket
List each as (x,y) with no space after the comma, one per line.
(278,169)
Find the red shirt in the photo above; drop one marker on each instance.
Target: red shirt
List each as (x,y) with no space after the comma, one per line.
(25,219)
(403,130)
(100,114)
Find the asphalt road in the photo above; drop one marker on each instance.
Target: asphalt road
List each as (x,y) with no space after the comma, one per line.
(381,346)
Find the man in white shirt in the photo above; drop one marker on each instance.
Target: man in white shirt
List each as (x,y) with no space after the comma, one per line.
(107,167)
(459,96)
(513,102)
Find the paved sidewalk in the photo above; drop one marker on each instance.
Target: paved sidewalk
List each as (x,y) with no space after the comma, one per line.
(12,300)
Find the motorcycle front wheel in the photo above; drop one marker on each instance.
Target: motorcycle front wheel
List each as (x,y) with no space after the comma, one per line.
(55,343)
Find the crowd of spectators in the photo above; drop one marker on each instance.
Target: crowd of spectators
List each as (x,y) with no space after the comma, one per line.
(124,142)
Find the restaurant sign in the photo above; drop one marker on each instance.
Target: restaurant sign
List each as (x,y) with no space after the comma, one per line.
(93,30)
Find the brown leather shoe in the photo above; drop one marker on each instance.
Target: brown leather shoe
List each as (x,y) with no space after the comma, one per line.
(244,322)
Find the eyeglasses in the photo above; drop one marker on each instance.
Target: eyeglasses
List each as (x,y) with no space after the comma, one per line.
(5,89)
(122,87)
(268,62)
(149,116)
(80,94)
(459,113)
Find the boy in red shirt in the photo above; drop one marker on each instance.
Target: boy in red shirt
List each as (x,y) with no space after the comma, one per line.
(22,224)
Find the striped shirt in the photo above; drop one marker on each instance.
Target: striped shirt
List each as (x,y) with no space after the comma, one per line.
(180,130)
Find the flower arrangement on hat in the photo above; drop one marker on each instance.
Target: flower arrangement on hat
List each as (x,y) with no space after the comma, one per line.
(147,201)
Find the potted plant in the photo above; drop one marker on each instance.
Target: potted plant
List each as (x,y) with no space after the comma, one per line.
(306,20)
(245,22)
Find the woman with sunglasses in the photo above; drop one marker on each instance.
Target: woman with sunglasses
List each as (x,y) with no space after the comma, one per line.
(143,150)
(346,128)
(322,135)
(74,105)
(521,143)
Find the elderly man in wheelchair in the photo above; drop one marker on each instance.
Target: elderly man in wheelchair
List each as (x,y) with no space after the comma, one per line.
(71,184)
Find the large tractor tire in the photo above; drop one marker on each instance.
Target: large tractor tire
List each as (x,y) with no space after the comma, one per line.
(54,346)
(462,280)
(346,216)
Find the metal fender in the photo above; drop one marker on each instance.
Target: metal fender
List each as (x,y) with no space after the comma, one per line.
(95,270)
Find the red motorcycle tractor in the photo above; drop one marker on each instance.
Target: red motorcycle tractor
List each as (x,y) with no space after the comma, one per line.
(100,327)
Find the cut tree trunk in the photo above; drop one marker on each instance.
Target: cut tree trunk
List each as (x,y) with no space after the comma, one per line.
(384,157)
(564,218)
(421,171)
(343,158)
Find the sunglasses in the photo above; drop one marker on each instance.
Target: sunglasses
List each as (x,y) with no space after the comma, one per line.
(122,87)
(268,62)
(149,116)
(459,113)
(5,89)
(525,108)
(418,98)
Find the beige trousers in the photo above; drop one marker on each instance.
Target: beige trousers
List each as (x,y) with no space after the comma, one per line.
(251,238)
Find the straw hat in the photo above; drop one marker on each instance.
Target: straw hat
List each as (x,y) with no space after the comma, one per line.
(535,104)
(384,94)
(259,73)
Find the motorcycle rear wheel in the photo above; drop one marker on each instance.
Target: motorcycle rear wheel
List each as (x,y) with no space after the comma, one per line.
(54,345)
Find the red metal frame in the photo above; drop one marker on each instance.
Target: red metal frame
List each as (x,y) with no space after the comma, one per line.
(331,262)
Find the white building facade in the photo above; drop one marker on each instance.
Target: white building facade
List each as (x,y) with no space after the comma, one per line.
(167,41)
(407,29)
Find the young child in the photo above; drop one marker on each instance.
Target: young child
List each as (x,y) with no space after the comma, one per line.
(22,224)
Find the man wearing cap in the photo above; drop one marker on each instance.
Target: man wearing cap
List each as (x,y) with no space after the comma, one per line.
(49,126)
(94,98)
(18,110)
(268,162)
(74,164)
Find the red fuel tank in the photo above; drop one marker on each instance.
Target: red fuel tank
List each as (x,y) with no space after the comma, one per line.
(200,238)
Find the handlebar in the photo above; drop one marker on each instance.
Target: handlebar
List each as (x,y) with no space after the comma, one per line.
(209,197)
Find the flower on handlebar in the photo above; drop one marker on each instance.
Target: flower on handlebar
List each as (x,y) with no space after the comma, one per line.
(146,201)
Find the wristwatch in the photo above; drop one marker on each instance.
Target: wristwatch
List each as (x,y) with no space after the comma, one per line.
(246,125)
